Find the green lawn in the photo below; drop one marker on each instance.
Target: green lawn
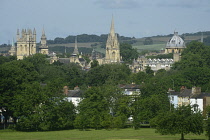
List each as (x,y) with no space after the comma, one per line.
(125,134)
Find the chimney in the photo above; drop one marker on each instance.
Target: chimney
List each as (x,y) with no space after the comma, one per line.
(76,88)
(65,90)
(182,88)
(196,90)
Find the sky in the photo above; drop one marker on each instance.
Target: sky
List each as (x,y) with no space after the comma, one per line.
(133,18)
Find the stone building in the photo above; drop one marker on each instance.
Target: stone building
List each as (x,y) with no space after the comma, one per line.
(12,50)
(112,48)
(26,43)
(43,49)
(175,45)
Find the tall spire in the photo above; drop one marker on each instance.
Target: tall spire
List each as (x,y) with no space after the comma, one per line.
(18,35)
(34,32)
(112,32)
(75,47)
(43,32)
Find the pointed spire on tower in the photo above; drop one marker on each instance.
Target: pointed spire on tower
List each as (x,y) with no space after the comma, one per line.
(34,32)
(18,35)
(75,47)
(43,32)
(112,32)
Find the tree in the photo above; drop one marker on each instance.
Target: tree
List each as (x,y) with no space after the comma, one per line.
(40,108)
(148,41)
(181,120)
(94,63)
(118,73)
(127,52)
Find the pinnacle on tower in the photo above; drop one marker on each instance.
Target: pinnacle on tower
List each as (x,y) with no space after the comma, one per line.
(75,47)
(43,34)
(34,32)
(18,32)
(112,32)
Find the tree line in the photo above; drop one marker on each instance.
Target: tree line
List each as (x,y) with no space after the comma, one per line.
(84,38)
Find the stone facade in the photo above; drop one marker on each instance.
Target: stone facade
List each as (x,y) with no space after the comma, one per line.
(112,48)
(43,49)
(26,43)
(175,44)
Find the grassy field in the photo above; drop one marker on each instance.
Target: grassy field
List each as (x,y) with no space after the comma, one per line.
(125,134)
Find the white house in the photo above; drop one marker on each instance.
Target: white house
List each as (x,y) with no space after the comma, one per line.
(75,96)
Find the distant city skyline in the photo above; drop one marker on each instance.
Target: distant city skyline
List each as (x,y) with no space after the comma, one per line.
(133,18)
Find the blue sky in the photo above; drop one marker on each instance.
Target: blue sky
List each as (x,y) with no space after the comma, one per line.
(138,18)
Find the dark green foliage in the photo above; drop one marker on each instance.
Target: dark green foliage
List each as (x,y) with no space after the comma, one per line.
(127,52)
(117,73)
(4,59)
(181,120)
(40,110)
(94,63)
(103,107)
(148,41)
(83,38)
(206,40)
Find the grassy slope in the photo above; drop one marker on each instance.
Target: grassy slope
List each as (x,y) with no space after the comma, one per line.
(126,134)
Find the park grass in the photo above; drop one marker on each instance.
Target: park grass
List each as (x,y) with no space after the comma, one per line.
(125,134)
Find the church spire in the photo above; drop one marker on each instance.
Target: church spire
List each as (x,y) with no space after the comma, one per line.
(75,47)
(43,32)
(112,32)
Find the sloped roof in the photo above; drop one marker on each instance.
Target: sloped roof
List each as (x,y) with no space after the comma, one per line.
(74,93)
(129,86)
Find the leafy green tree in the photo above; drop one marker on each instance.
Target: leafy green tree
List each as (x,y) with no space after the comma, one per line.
(118,73)
(94,64)
(148,41)
(128,53)
(181,120)
(39,108)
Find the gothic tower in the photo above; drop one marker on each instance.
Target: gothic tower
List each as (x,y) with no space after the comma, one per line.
(76,52)
(43,48)
(12,50)
(112,46)
(26,43)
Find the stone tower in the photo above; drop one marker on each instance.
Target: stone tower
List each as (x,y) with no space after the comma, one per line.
(26,43)
(12,50)
(112,47)
(43,48)
(175,45)
(76,52)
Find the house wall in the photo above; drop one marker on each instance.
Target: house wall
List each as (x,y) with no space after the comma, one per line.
(174,100)
(199,102)
(183,101)
(75,100)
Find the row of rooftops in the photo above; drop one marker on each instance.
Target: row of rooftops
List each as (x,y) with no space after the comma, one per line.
(77,92)
(195,92)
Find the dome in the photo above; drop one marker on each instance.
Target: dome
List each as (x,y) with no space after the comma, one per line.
(175,42)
